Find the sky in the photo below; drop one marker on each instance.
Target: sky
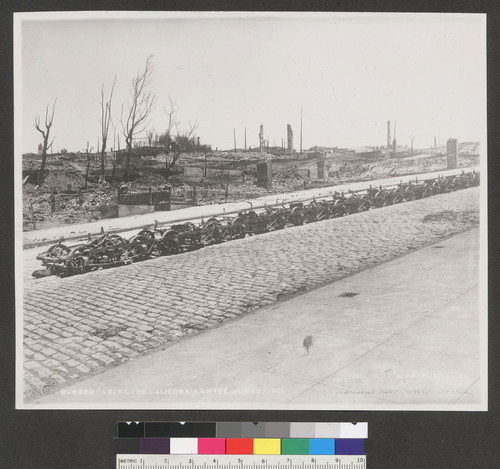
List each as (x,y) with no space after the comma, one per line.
(350,74)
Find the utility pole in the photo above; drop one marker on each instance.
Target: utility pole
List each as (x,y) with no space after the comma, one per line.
(394,142)
(245,138)
(300,154)
(234,136)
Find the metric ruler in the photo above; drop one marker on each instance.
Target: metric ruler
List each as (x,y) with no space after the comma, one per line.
(169,461)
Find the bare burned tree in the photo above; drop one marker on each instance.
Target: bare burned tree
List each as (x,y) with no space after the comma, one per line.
(49,119)
(135,119)
(175,145)
(105,121)
(167,138)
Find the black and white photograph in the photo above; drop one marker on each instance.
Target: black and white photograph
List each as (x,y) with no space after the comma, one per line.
(251,210)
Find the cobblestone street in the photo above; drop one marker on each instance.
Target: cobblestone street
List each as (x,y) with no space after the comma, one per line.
(80,326)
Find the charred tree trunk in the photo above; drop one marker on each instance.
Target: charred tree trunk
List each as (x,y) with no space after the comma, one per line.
(105,121)
(102,177)
(87,152)
(128,141)
(45,135)
(87,172)
(44,161)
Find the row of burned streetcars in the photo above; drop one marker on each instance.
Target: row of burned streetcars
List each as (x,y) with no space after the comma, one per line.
(110,250)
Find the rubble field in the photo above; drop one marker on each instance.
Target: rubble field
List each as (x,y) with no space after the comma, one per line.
(63,199)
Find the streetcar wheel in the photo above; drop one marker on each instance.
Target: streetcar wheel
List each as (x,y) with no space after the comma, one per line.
(365,204)
(213,222)
(146,233)
(115,239)
(296,216)
(379,200)
(78,261)
(238,228)
(397,199)
(409,196)
(58,250)
(280,221)
(139,247)
(170,242)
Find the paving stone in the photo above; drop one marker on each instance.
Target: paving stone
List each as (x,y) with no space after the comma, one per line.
(83,369)
(58,378)
(60,356)
(103,358)
(44,372)
(48,352)
(71,362)
(51,363)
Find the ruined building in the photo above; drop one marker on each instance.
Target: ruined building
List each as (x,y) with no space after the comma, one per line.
(289,133)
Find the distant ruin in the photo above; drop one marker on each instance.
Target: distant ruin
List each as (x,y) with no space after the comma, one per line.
(289,133)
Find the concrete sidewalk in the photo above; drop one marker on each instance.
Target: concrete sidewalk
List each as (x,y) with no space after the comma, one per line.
(137,222)
(402,335)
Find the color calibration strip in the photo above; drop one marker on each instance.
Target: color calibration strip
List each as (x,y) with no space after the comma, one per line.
(246,438)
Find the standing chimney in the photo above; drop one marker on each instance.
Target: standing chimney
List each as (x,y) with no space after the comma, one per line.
(389,134)
(289,133)
(261,136)
(452,153)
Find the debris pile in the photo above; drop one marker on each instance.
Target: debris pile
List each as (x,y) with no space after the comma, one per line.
(49,209)
(399,167)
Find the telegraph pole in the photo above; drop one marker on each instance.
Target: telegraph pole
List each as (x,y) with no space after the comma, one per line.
(300,154)
(395,142)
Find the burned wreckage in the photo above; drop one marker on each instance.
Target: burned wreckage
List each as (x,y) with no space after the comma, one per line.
(111,250)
